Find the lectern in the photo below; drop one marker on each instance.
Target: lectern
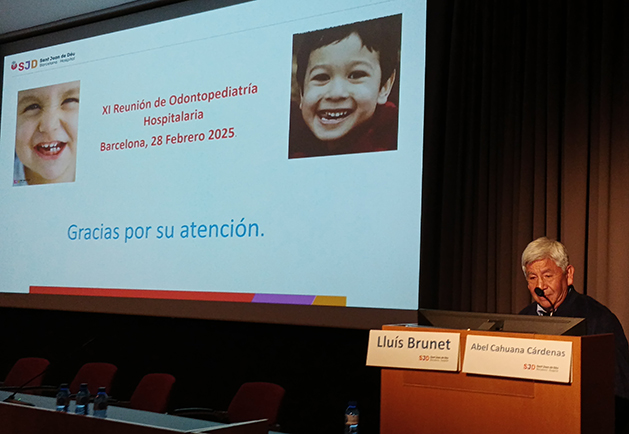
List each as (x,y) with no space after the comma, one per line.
(426,401)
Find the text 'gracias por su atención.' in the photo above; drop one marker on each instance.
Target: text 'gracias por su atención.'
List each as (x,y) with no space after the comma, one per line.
(232,229)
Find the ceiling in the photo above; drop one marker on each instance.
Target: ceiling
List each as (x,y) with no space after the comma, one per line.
(18,15)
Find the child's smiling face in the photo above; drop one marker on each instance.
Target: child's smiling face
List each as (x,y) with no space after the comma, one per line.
(47,123)
(342,87)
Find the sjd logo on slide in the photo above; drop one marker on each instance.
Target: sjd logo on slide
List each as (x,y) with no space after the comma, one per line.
(24,66)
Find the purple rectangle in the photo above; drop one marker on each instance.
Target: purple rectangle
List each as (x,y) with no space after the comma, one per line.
(283,299)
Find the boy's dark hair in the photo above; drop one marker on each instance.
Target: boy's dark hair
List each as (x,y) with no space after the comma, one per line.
(380,35)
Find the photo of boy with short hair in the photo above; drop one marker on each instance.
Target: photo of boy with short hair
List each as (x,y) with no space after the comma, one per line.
(46,134)
(345,77)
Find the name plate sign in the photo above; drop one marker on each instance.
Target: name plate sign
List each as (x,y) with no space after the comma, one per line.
(438,351)
(518,358)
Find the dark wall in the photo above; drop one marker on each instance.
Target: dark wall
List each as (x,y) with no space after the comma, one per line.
(320,368)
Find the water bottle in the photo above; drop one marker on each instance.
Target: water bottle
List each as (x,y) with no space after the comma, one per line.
(100,403)
(82,400)
(351,418)
(63,398)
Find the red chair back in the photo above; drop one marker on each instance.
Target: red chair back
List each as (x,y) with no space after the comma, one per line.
(25,369)
(255,401)
(153,393)
(95,375)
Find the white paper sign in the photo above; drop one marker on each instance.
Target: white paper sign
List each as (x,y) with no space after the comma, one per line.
(436,351)
(518,358)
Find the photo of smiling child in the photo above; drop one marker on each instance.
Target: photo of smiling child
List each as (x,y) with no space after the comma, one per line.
(344,98)
(46,134)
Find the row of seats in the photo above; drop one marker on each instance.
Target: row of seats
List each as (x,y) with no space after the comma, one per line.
(253,401)
(151,394)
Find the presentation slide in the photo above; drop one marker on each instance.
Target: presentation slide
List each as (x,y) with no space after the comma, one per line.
(266,152)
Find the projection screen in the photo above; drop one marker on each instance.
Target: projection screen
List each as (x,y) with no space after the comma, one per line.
(258,161)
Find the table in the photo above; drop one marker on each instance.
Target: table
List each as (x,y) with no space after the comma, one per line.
(42,417)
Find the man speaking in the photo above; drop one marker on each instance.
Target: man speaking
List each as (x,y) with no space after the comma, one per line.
(547,270)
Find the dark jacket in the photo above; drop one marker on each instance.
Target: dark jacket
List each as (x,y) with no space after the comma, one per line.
(599,320)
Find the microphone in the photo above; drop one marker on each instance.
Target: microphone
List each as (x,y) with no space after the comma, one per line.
(540,293)
(11,398)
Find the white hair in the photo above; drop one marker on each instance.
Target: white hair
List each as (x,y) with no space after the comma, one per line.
(545,248)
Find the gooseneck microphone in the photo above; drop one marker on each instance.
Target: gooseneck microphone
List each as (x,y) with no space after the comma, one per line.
(11,398)
(540,293)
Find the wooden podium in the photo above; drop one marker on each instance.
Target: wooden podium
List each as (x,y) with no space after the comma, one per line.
(422,401)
